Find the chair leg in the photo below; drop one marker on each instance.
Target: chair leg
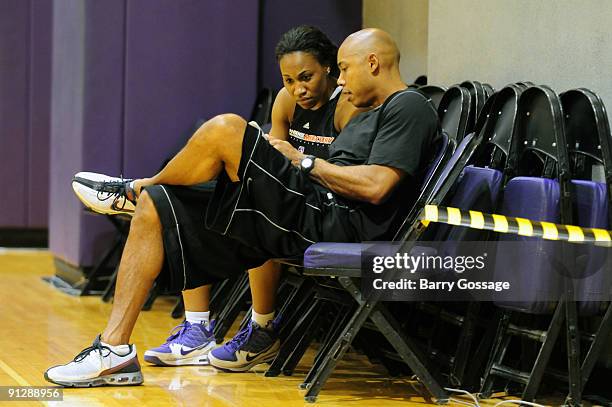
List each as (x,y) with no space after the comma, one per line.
(601,337)
(153,293)
(500,344)
(541,362)
(228,313)
(291,342)
(338,350)
(179,309)
(304,342)
(480,356)
(109,291)
(573,355)
(388,327)
(326,347)
(465,343)
(93,275)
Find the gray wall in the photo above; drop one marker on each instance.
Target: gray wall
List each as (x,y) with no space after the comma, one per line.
(561,43)
(406,21)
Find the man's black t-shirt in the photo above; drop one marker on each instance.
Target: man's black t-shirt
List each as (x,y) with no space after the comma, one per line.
(397,134)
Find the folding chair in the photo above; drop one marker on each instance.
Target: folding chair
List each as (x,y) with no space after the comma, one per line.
(262,109)
(434,93)
(342,262)
(321,293)
(489,90)
(537,170)
(477,189)
(590,148)
(454,112)
(478,97)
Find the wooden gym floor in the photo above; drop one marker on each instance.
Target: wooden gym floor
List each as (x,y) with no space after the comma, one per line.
(41,326)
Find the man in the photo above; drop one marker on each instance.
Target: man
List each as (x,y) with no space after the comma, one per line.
(272,201)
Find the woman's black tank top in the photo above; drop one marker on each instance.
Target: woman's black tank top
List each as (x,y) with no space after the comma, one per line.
(312,131)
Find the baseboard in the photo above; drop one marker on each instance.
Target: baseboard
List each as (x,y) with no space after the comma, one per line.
(20,237)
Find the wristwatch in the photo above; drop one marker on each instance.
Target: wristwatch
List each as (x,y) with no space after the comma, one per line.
(307,163)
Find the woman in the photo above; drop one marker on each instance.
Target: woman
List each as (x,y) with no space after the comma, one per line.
(308,112)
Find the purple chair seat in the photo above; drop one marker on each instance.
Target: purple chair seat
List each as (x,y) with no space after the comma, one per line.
(334,255)
(478,189)
(348,255)
(528,259)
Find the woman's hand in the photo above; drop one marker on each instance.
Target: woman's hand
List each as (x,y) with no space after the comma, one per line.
(287,150)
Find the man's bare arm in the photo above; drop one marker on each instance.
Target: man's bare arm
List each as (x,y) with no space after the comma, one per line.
(368,183)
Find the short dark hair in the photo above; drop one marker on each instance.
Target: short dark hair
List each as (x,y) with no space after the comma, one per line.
(310,39)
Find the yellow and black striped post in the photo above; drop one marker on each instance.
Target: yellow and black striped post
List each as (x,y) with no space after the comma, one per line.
(517,226)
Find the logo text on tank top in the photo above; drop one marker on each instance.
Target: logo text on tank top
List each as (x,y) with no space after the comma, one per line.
(310,137)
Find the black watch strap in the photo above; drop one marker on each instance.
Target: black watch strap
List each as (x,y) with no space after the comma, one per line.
(307,168)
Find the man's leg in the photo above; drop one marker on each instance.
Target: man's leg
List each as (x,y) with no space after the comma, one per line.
(214,147)
(140,264)
(111,360)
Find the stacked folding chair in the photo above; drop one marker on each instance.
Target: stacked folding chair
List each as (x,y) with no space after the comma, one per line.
(434,93)
(477,189)
(454,112)
(478,98)
(590,151)
(537,187)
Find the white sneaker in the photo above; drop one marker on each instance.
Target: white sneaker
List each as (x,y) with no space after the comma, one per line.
(98,365)
(104,194)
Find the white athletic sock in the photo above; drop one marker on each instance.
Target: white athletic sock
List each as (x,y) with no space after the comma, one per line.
(262,319)
(197,317)
(118,349)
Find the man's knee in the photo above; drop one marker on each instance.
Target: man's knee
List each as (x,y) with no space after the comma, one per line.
(146,214)
(220,128)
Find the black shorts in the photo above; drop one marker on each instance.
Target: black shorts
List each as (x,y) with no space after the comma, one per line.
(274,211)
(194,255)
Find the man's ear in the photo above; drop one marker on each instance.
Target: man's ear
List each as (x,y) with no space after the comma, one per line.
(373,63)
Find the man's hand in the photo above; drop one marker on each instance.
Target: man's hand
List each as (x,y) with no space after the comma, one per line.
(287,150)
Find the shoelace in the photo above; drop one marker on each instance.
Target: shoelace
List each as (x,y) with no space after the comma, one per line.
(240,339)
(174,334)
(97,345)
(115,190)
(179,330)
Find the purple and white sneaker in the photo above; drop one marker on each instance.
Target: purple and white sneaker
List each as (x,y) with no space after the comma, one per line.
(188,344)
(250,347)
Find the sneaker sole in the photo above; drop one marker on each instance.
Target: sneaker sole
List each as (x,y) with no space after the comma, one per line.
(118,379)
(266,358)
(198,357)
(196,361)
